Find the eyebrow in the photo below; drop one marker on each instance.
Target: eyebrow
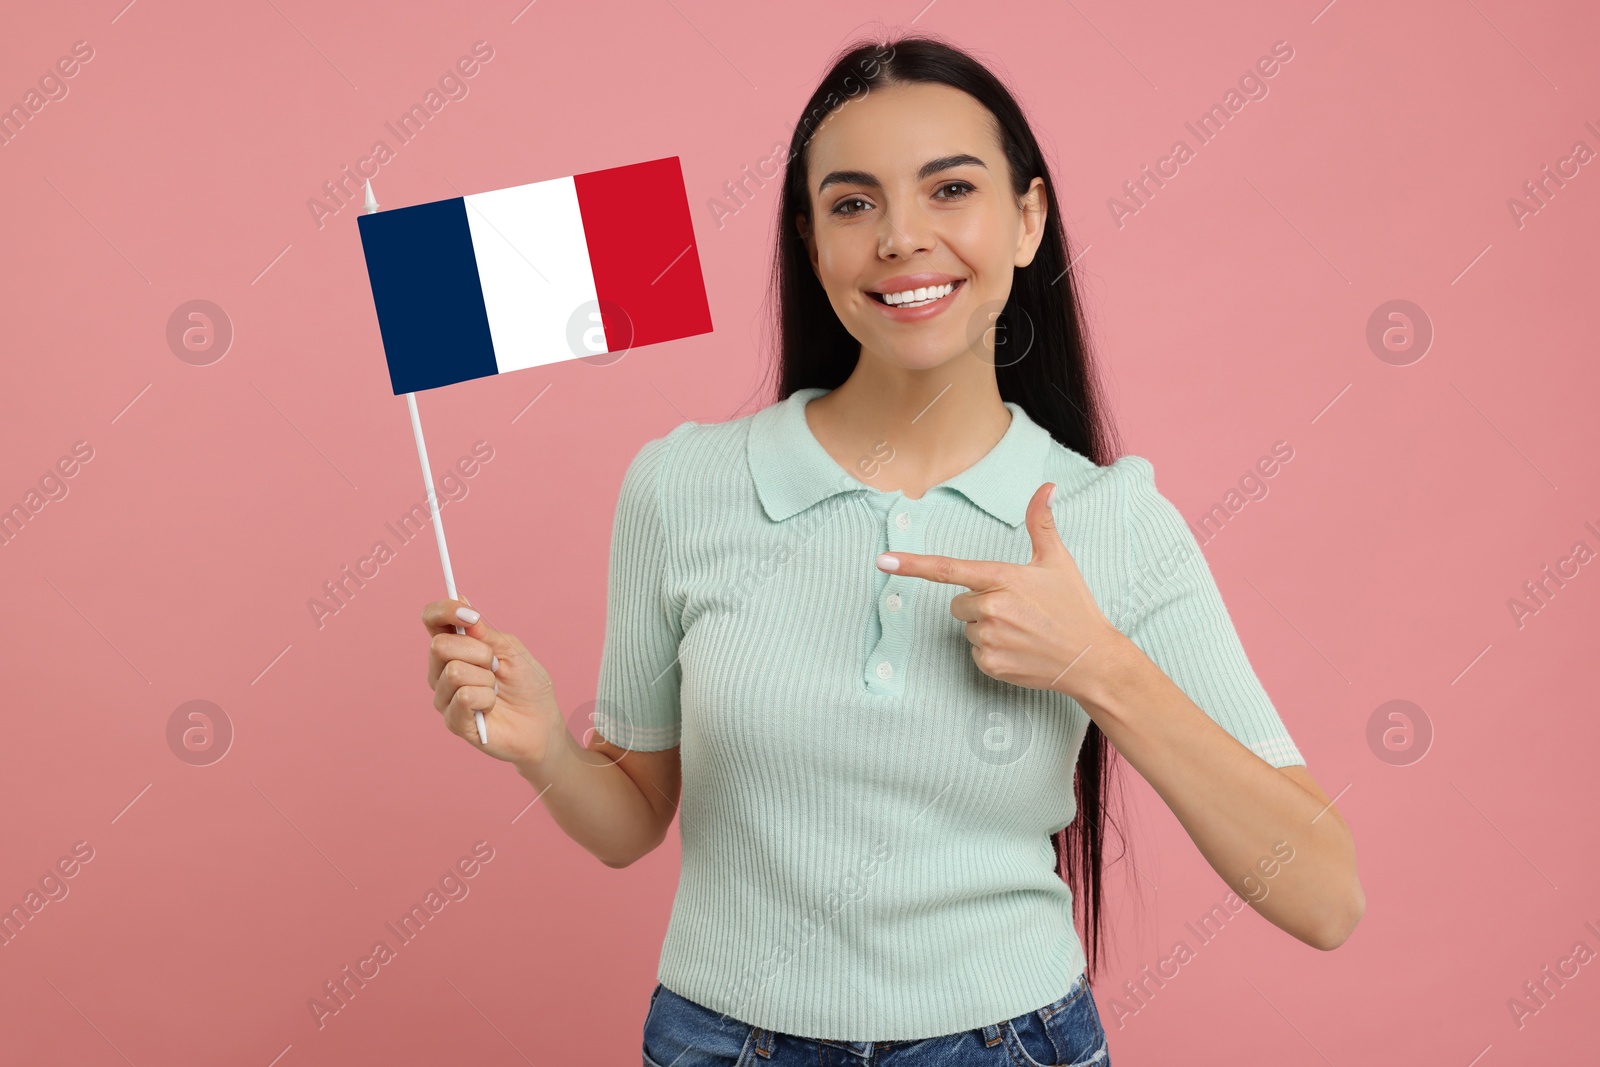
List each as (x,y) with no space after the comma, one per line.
(933,166)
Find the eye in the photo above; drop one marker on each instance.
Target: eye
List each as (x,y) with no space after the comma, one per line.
(962,190)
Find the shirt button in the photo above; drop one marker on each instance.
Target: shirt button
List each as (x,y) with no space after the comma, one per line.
(885,670)
(894,601)
(903,520)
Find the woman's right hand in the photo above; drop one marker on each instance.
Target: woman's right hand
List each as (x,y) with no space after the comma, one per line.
(490,670)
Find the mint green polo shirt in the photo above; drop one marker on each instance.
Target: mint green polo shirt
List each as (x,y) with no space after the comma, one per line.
(866,816)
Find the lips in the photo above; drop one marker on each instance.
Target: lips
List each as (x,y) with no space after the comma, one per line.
(878,294)
(923,311)
(922,279)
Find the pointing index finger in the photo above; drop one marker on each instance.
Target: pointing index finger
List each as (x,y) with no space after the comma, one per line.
(972,573)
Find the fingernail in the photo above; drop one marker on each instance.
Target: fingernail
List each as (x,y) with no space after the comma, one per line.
(497,687)
(1051,499)
(887,562)
(467,615)
(494,664)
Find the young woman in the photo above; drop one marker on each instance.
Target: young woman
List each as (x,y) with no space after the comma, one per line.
(887,633)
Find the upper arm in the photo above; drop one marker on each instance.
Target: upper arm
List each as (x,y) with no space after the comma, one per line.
(659,776)
(1172,609)
(638,691)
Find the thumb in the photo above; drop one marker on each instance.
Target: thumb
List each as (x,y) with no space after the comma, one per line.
(500,643)
(1047,544)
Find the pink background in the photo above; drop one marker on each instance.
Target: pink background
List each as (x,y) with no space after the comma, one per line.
(1231,312)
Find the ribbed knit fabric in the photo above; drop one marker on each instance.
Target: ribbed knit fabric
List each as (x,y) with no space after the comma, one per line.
(866,816)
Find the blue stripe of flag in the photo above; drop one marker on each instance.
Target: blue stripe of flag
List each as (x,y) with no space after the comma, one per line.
(425,289)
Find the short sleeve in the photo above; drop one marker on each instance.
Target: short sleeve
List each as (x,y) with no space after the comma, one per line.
(1173,610)
(637,696)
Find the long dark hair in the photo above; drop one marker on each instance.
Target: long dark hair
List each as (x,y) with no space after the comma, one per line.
(1054,383)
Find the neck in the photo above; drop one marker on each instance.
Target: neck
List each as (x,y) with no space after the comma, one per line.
(915,428)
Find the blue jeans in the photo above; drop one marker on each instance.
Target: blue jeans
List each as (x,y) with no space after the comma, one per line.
(1064,1033)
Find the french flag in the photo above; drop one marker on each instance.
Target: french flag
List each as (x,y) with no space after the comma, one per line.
(540,273)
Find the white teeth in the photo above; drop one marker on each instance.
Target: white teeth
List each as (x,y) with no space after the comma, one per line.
(911,296)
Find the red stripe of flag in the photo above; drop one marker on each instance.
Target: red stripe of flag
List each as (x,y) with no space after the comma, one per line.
(642,251)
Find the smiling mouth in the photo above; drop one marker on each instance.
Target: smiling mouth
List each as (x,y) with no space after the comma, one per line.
(955,287)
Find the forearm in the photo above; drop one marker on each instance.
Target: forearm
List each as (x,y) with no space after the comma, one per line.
(594,801)
(1235,806)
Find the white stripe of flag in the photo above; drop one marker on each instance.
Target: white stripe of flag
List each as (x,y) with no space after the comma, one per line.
(534,274)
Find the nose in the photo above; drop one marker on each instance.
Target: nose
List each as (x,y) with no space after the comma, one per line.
(903,232)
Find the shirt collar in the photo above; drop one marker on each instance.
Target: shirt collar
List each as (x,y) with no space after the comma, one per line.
(792,471)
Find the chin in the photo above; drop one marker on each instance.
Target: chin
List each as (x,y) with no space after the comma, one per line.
(927,355)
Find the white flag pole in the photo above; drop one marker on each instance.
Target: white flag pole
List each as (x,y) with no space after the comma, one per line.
(369,207)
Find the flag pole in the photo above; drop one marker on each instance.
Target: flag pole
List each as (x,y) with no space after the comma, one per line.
(368,208)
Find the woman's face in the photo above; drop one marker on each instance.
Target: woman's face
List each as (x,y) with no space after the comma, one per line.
(910,181)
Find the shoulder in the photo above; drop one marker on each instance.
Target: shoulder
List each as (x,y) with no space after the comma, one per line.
(691,441)
(696,454)
(1130,479)
(1145,500)
(1078,476)
(692,467)
(1164,557)
(1123,503)
(655,454)
(642,493)
(1154,524)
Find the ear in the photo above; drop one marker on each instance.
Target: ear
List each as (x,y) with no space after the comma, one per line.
(1034,212)
(804,229)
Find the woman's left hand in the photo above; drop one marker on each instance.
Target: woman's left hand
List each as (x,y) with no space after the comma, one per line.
(1036,624)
